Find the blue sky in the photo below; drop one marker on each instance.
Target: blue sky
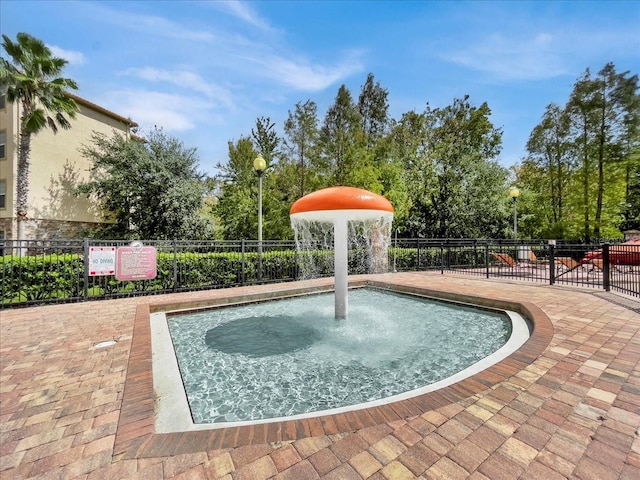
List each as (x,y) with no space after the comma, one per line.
(205,70)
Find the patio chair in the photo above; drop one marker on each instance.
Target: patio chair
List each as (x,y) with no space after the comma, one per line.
(508,261)
(597,264)
(535,261)
(590,265)
(569,264)
(505,259)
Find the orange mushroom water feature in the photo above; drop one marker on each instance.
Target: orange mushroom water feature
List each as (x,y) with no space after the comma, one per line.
(339,206)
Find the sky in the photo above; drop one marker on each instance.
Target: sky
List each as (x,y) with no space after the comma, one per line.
(204,71)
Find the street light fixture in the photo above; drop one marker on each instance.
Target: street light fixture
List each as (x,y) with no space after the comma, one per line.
(259,165)
(514,193)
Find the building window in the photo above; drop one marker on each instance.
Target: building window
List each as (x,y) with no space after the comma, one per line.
(3,144)
(3,100)
(3,194)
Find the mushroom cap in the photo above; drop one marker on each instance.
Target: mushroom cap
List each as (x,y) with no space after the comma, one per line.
(341,198)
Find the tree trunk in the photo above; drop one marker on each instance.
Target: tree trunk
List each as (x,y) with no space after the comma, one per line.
(596,227)
(587,226)
(22,185)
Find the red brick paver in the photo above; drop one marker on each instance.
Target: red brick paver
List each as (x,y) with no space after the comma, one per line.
(566,406)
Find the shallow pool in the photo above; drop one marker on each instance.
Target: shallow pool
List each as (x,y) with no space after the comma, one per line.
(288,357)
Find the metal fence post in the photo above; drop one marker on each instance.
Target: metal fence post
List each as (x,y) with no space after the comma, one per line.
(552,264)
(441,259)
(486,258)
(606,279)
(242,275)
(86,269)
(175,265)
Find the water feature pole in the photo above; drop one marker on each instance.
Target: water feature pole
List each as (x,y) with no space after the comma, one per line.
(340,265)
(339,206)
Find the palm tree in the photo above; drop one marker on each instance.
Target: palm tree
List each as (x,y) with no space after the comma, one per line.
(32,77)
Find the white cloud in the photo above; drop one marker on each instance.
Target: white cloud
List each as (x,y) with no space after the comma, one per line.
(245,13)
(537,55)
(506,58)
(185,79)
(151,25)
(305,76)
(174,113)
(73,57)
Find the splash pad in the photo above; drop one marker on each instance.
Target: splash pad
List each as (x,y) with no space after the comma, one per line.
(337,208)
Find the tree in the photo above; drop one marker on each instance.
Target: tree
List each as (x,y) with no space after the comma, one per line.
(32,77)
(236,207)
(605,117)
(408,152)
(551,155)
(618,113)
(341,140)
(300,145)
(632,192)
(462,145)
(147,190)
(374,111)
(266,139)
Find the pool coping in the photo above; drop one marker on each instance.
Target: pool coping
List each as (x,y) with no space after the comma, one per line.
(136,436)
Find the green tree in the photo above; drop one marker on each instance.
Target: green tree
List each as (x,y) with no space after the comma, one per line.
(409,192)
(237,203)
(300,147)
(266,139)
(32,77)
(618,111)
(373,107)
(467,181)
(341,140)
(632,192)
(605,117)
(147,190)
(550,154)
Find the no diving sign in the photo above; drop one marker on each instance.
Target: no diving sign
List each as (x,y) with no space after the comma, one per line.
(102,261)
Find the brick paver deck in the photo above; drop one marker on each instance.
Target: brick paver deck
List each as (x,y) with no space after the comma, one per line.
(571,410)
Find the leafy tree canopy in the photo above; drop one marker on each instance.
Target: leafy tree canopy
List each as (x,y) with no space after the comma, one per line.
(149,190)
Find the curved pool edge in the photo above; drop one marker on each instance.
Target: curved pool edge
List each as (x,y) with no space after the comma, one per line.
(136,436)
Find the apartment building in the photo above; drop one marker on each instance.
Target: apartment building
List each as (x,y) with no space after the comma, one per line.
(57,167)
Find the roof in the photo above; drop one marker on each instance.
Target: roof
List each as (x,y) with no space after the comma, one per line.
(98,108)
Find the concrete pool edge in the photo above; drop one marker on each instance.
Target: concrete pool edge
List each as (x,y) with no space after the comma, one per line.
(136,436)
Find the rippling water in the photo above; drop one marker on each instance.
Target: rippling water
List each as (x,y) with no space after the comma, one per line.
(291,356)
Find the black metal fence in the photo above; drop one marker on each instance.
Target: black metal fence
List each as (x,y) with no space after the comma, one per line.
(603,266)
(50,271)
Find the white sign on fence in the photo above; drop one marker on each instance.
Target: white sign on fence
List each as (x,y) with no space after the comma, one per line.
(102,261)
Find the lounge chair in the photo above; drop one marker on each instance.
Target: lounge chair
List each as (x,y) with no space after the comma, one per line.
(535,261)
(590,265)
(569,265)
(507,260)
(504,259)
(597,264)
(568,262)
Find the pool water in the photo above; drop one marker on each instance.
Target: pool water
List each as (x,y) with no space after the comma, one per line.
(291,356)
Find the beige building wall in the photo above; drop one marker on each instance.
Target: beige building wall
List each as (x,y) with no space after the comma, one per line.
(57,168)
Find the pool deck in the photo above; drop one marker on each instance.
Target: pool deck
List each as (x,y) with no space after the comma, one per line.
(566,406)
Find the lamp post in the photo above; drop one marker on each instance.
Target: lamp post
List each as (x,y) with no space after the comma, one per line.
(514,193)
(259,165)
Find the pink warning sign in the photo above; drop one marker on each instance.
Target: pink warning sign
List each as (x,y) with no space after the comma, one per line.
(135,263)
